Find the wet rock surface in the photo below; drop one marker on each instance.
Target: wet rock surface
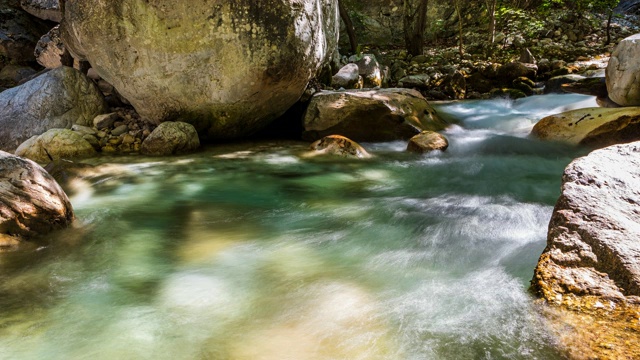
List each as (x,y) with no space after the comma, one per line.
(339,146)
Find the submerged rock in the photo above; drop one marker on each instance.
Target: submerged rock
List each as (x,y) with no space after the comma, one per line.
(591,265)
(31,202)
(228,68)
(427,141)
(58,98)
(340,146)
(370,115)
(56,144)
(171,138)
(596,127)
(623,72)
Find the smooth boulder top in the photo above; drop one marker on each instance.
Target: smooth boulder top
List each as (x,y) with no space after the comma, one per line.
(227,67)
(31,202)
(623,72)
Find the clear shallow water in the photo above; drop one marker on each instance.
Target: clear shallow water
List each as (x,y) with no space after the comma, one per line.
(253,251)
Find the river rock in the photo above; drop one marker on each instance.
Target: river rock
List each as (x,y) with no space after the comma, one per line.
(43,9)
(370,115)
(56,144)
(427,141)
(348,77)
(370,71)
(19,32)
(596,127)
(592,244)
(339,146)
(171,138)
(623,72)
(31,202)
(513,70)
(229,68)
(554,85)
(58,98)
(419,81)
(50,52)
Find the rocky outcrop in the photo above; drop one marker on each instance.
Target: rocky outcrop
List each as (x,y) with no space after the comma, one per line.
(623,72)
(427,141)
(339,146)
(595,127)
(57,99)
(44,9)
(19,32)
(370,115)
(590,269)
(228,68)
(56,144)
(50,52)
(31,202)
(171,138)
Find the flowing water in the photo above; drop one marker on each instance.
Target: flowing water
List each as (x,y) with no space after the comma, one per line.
(253,251)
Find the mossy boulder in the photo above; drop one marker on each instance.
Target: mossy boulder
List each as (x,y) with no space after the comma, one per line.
(226,67)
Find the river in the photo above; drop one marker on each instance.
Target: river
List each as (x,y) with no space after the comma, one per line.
(254,251)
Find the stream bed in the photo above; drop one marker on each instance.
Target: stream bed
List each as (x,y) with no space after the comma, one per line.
(254,251)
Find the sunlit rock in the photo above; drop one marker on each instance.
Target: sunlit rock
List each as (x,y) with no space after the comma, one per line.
(370,115)
(339,146)
(228,68)
(56,144)
(171,138)
(31,202)
(427,141)
(595,127)
(623,72)
(591,265)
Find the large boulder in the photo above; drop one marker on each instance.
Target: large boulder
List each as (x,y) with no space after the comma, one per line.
(623,72)
(227,67)
(31,202)
(590,269)
(595,127)
(44,9)
(171,138)
(59,98)
(19,32)
(370,115)
(56,144)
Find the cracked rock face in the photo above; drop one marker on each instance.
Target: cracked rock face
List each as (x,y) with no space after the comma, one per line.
(59,98)
(592,245)
(31,202)
(623,72)
(226,67)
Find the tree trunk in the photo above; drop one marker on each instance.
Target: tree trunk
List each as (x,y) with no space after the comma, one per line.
(609,27)
(344,15)
(415,22)
(459,11)
(491,10)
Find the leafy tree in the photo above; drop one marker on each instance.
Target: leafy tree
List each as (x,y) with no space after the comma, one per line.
(414,24)
(608,6)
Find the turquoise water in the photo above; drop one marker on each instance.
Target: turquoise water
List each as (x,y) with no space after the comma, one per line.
(255,251)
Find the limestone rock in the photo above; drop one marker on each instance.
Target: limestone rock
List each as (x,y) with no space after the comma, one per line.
(370,115)
(31,202)
(19,32)
(44,9)
(596,127)
(50,52)
(58,98)
(348,77)
(228,68)
(427,141)
(623,72)
(339,146)
(171,138)
(56,144)
(592,244)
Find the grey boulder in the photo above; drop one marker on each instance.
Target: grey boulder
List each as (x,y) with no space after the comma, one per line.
(227,67)
(56,144)
(58,98)
(171,138)
(623,72)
